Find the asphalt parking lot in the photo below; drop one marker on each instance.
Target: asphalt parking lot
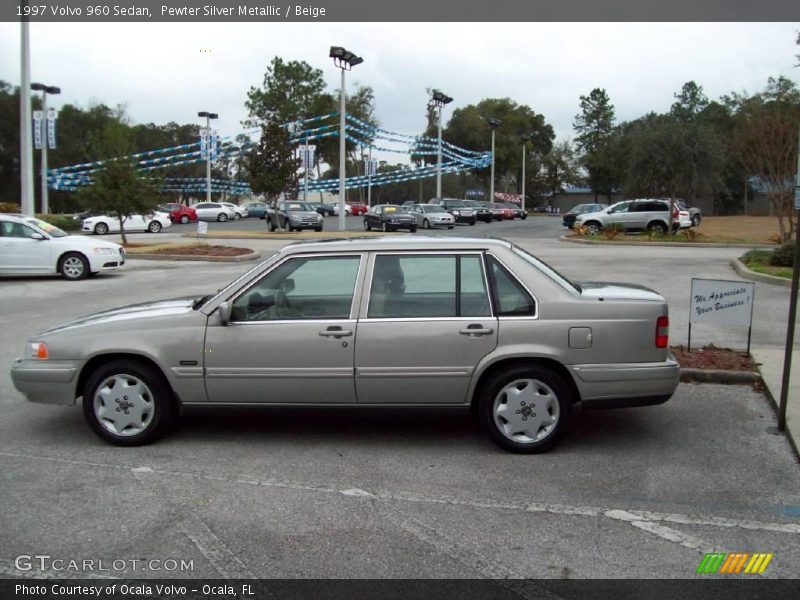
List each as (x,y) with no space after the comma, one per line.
(395,493)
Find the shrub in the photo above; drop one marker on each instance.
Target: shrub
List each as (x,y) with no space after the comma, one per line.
(611,232)
(580,230)
(691,235)
(65,222)
(783,256)
(9,207)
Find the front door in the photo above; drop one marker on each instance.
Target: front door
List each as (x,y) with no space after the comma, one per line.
(291,336)
(426,325)
(21,253)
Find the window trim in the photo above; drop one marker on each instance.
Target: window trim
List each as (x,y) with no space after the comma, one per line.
(493,292)
(367,293)
(352,315)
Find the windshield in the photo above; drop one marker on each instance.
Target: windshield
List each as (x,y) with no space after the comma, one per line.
(298,206)
(50,230)
(547,270)
(433,209)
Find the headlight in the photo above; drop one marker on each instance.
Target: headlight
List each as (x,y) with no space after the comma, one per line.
(456,212)
(104,250)
(36,350)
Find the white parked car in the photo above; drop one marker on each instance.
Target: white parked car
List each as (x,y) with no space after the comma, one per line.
(103,224)
(348,210)
(30,246)
(214,211)
(239,212)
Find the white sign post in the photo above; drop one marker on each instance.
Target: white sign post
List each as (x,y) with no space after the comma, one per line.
(202,228)
(721,302)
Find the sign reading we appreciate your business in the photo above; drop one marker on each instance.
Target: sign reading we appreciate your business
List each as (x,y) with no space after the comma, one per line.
(720,302)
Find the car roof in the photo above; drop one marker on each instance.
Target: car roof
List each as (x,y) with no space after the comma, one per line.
(401,243)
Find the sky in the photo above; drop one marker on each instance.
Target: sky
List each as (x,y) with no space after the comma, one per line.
(167,72)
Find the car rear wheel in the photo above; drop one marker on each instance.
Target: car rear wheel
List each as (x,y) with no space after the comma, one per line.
(525,409)
(696,220)
(101,229)
(184,219)
(386,227)
(236,216)
(73,266)
(426,224)
(271,225)
(154,227)
(657,227)
(222,217)
(127,403)
(367,226)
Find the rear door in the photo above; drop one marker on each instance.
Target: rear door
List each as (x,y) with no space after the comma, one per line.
(425,323)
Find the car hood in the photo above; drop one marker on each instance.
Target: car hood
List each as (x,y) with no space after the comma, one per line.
(618,291)
(145,310)
(82,241)
(303,213)
(396,215)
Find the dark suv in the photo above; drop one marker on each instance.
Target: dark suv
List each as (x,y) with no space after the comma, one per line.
(460,211)
(482,211)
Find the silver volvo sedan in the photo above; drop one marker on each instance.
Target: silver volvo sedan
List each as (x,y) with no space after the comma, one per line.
(402,321)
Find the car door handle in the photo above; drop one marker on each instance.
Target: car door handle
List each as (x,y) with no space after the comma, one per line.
(476,331)
(336,332)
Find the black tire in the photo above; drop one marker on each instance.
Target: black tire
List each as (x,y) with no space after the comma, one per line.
(159,397)
(523,216)
(426,224)
(658,227)
(236,216)
(367,226)
(271,225)
(450,226)
(593,227)
(101,229)
(73,266)
(561,400)
(184,219)
(412,229)
(222,217)
(696,220)
(154,227)
(318,229)
(385,227)
(473,222)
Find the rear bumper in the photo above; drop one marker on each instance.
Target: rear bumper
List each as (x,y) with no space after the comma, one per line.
(627,384)
(47,382)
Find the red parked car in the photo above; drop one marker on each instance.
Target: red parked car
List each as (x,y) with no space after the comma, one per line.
(178,213)
(358,208)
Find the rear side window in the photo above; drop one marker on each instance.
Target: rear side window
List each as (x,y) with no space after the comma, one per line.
(510,297)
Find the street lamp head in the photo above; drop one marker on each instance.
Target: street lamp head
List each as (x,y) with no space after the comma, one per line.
(213,116)
(336,52)
(524,137)
(202,113)
(357,60)
(494,123)
(440,99)
(343,58)
(38,87)
(51,89)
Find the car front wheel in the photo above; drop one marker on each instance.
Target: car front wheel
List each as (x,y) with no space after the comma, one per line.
(127,403)
(73,266)
(525,409)
(184,219)
(593,228)
(657,228)
(367,226)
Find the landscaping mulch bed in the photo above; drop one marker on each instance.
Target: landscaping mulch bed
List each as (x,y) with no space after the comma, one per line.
(203,250)
(712,357)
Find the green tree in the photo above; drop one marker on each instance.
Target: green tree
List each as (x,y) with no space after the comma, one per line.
(594,126)
(119,189)
(690,102)
(289,92)
(271,165)
(560,168)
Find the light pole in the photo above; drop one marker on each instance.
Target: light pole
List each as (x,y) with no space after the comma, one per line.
(52,90)
(208,116)
(524,137)
(439,100)
(494,124)
(25,130)
(345,60)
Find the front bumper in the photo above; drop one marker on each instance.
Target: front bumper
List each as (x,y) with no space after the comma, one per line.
(46,381)
(626,384)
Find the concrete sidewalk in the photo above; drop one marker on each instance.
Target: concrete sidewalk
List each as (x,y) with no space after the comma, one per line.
(771,367)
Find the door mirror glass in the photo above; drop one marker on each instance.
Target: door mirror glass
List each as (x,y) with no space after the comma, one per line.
(37,236)
(224,313)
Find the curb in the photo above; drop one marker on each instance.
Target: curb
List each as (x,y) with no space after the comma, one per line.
(788,432)
(286,236)
(574,240)
(742,270)
(719,376)
(188,257)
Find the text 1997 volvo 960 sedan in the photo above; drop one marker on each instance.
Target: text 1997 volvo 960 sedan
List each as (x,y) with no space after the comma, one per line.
(417,322)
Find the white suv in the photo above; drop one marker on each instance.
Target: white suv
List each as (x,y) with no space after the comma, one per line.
(635,215)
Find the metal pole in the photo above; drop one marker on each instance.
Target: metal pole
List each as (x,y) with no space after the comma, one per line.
(369,177)
(523,176)
(25,131)
(305,161)
(787,358)
(208,159)
(342,151)
(439,158)
(45,204)
(491,184)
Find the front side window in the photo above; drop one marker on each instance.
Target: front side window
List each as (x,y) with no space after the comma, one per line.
(620,208)
(511,299)
(428,286)
(301,288)
(16,230)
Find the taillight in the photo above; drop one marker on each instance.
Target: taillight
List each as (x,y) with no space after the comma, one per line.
(662,332)
(675,212)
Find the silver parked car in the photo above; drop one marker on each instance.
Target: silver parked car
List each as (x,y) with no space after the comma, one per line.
(429,216)
(294,216)
(634,215)
(404,321)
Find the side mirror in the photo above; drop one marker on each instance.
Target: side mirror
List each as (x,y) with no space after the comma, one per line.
(37,236)
(224,313)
